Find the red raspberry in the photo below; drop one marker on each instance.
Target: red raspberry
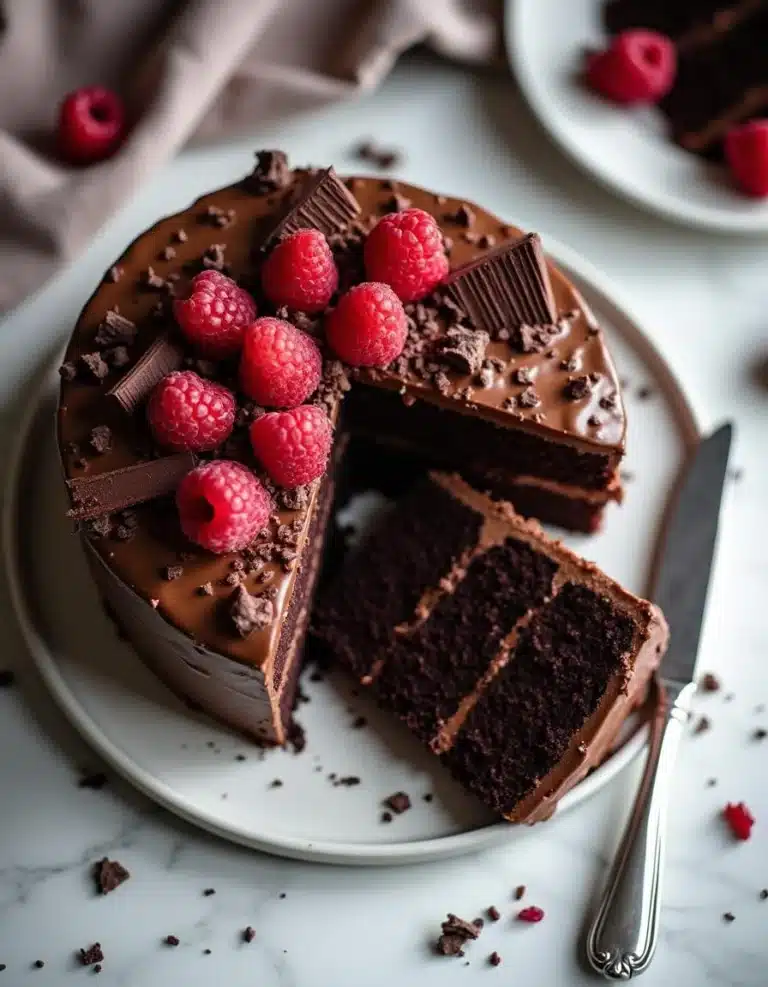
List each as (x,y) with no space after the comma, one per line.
(281,365)
(740,820)
(222,506)
(405,250)
(368,327)
(530,914)
(293,446)
(214,314)
(91,124)
(746,151)
(301,272)
(189,414)
(639,67)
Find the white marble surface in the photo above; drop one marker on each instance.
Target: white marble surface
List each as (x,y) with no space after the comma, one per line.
(705,302)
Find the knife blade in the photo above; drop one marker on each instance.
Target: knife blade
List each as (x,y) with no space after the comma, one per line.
(689,547)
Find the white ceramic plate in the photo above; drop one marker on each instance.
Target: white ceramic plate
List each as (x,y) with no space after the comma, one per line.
(627,150)
(190,764)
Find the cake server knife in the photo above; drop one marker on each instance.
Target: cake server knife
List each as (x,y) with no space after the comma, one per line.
(622,939)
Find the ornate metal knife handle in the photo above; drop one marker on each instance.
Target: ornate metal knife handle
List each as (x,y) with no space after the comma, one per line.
(623,937)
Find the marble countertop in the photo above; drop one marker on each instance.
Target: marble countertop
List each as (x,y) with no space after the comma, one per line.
(705,303)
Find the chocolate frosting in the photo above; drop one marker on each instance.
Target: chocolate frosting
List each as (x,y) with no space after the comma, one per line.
(156,542)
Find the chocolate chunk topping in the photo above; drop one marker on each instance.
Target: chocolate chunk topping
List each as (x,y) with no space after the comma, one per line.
(533,339)
(270,174)
(115,330)
(171,940)
(168,252)
(92,955)
(171,572)
(68,370)
(101,438)
(528,399)
(399,802)
(325,204)
(464,349)
(95,365)
(507,287)
(150,279)
(97,495)
(456,933)
(114,274)
(213,257)
(608,401)
(249,933)
(109,874)
(180,236)
(578,388)
(250,613)
(162,357)
(523,375)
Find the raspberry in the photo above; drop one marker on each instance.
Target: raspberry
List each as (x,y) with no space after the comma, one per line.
(281,365)
(530,914)
(746,151)
(301,272)
(91,124)
(405,250)
(190,414)
(740,820)
(214,314)
(368,327)
(222,506)
(293,446)
(639,67)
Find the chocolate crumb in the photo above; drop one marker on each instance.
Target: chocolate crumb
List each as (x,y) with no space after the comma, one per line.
(95,781)
(100,439)
(711,782)
(249,933)
(359,722)
(7,678)
(95,365)
(493,913)
(68,371)
(39,964)
(117,357)
(347,781)
(206,952)
(428,797)
(577,388)
(115,330)
(709,683)
(92,955)
(519,892)
(109,875)
(760,734)
(386,817)
(704,723)
(764,894)
(208,892)
(281,895)
(729,916)
(643,393)
(594,421)
(180,236)
(114,274)
(250,613)
(276,783)
(150,279)
(213,257)
(528,399)
(399,802)
(171,572)
(456,933)
(168,253)
(206,589)
(171,940)
(523,375)
(494,959)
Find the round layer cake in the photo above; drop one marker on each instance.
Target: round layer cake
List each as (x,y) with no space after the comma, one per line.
(525,404)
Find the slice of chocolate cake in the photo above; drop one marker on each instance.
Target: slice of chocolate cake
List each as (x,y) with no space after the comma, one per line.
(722,77)
(504,375)
(514,660)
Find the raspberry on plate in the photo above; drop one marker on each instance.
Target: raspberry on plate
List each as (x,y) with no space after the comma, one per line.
(739,819)
(405,250)
(280,365)
(300,272)
(222,506)
(368,327)
(639,67)
(293,446)
(746,151)
(190,414)
(91,124)
(214,314)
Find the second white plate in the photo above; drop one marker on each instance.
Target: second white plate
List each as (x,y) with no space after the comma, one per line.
(626,150)
(213,778)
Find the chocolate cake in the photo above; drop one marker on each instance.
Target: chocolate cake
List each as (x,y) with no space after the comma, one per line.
(514,660)
(722,77)
(504,376)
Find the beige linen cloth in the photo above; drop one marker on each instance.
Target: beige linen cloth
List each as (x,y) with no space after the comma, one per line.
(200,68)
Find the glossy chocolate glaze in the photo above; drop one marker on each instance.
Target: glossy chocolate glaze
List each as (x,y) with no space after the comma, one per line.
(139,563)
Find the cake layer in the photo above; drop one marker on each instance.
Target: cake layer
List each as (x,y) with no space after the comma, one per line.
(517,666)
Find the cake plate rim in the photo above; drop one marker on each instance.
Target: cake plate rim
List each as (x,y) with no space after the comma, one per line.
(624,151)
(592,284)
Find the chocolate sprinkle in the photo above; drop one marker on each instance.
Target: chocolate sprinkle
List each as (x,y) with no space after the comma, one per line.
(325,204)
(109,875)
(113,491)
(162,357)
(250,613)
(507,287)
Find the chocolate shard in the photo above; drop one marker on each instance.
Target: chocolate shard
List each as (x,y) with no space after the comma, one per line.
(270,173)
(250,613)
(463,349)
(325,203)
(93,496)
(507,287)
(162,357)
